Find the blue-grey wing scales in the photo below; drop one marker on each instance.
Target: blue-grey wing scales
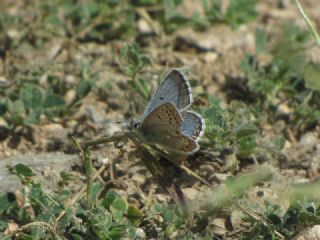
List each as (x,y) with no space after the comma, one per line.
(175,88)
(192,125)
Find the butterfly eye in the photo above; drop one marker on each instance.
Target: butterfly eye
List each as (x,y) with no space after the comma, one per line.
(136,124)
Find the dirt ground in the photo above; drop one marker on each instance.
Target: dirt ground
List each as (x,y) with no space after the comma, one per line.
(212,59)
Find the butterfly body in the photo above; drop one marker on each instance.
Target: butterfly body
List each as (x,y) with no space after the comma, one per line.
(166,122)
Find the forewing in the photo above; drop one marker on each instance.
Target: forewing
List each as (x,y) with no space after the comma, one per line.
(175,88)
(192,125)
(162,126)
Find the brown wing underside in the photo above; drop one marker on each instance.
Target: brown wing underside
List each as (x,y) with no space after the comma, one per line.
(162,126)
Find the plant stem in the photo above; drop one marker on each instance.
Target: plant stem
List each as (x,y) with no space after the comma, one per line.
(89,173)
(308,22)
(85,149)
(80,194)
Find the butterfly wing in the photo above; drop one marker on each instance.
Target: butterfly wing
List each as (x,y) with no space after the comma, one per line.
(193,125)
(162,126)
(175,88)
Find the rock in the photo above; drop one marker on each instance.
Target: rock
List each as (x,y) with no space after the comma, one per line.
(221,177)
(54,49)
(231,163)
(49,163)
(3,81)
(71,80)
(236,217)
(3,123)
(190,193)
(219,226)
(314,233)
(218,39)
(284,109)
(140,234)
(308,138)
(70,96)
(138,179)
(189,8)
(210,57)
(11,228)
(144,27)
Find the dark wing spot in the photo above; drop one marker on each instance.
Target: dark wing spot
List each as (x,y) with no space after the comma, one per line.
(161,98)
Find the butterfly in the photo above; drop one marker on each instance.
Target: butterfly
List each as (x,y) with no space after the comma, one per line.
(167,122)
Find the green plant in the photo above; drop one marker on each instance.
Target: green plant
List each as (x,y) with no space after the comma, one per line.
(288,78)
(89,20)
(238,12)
(298,216)
(31,103)
(132,62)
(27,102)
(111,218)
(225,133)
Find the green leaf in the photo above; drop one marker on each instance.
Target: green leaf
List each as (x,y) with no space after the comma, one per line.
(213,113)
(169,216)
(119,208)
(54,20)
(169,9)
(246,146)
(6,201)
(101,221)
(38,232)
(76,236)
(31,96)
(240,12)
(120,204)
(24,170)
(96,189)
(17,112)
(53,100)
(16,107)
(107,221)
(170,229)
(143,88)
(3,225)
(117,231)
(65,178)
(312,76)
(158,207)
(109,198)
(133,213)
(246,136)
(131,60)
(230,181)
(132,233)
(3,106)
(33,117)
(246,130)
(261,42)
(83,89)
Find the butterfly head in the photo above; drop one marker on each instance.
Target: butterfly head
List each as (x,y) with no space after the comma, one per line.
(134,124)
